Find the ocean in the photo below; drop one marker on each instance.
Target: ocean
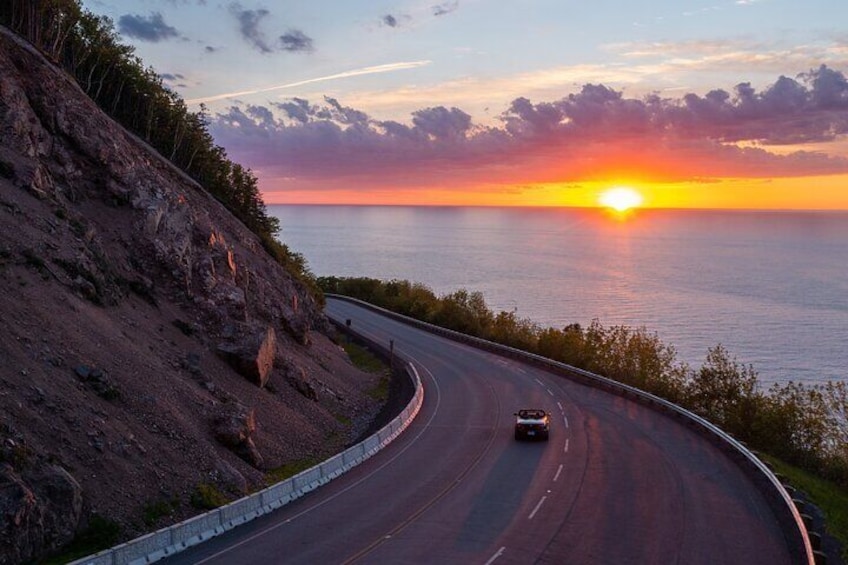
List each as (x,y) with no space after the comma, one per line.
(771,287)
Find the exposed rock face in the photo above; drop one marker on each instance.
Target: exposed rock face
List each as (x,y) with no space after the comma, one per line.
(38,511)
(119,279)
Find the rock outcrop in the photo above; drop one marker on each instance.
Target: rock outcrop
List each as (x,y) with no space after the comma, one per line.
(234,428)
(39,510)
(119,279)
(252,356)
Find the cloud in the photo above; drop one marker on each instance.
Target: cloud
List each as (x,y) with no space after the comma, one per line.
(249,21)
(376,69)
(389,20)
(445,8)
(295,41)
(152,29)
(741,55)
(442,124)
(594,133)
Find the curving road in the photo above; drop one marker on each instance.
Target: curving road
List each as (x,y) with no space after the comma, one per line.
(617,482)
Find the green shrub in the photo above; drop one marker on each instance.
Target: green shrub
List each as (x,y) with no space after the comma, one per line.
(33,260)
(101,533)
(289,470)
(152,512)
(207,497)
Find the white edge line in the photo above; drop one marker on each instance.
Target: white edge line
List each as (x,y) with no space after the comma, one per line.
(494,557)
(539,505)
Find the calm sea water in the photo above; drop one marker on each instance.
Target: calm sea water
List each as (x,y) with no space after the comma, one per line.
(772,287)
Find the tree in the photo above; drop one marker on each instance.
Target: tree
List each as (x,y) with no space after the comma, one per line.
(725,392)
(89,48)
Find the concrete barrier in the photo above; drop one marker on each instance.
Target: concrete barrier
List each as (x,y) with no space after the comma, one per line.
(173,539)
(773,490)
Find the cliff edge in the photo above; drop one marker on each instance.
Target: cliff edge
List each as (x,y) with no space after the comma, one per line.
(152,353)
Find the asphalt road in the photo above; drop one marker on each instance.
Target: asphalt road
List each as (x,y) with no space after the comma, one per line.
(616,483)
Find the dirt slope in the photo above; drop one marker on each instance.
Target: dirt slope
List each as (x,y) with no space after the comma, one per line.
(148,345)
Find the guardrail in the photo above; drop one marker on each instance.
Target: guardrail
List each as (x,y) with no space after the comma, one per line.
(173,539)
(795,531)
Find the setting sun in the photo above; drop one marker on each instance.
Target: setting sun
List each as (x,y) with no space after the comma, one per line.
(620,198)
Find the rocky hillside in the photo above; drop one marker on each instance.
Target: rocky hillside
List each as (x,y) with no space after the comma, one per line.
(153,356)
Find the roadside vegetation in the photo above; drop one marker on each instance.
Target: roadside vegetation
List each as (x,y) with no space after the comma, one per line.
(289,470)
(366,361)
(830,498)
(88,48)
(805,426)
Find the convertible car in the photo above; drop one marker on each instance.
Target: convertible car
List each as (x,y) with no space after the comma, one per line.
(532,423)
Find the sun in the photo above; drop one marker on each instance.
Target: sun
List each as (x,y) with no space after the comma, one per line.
(620,198)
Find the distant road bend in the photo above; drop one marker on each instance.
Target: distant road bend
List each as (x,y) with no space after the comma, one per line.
(617,482)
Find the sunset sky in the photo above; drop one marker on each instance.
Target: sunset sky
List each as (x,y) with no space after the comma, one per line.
(704,104)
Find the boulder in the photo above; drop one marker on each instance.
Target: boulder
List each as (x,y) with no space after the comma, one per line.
(39,511)
(253,357)
(296,377)
(98,381)
(234,426)
(298,326)
(230,477)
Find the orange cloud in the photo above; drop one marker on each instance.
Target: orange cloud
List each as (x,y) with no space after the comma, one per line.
(594,135)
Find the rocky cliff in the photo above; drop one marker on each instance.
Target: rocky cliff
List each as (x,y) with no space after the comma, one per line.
(151,353)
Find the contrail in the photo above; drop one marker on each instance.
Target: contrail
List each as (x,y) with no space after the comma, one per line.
(388,68)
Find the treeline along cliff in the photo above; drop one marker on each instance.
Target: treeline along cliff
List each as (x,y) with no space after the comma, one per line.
(155,359)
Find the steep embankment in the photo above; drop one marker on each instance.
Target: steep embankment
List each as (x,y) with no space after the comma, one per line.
(149,346)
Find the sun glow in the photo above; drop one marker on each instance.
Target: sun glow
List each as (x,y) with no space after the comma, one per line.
(620,198)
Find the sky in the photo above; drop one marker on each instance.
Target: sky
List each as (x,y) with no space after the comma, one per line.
(694,104)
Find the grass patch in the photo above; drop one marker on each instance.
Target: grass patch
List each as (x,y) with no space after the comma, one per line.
(32,259)
(289,470)
(207,497)
(100,534)
(363,358)
(342,419)
(155,510)
(828,496)
(370,363)
(380,391)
